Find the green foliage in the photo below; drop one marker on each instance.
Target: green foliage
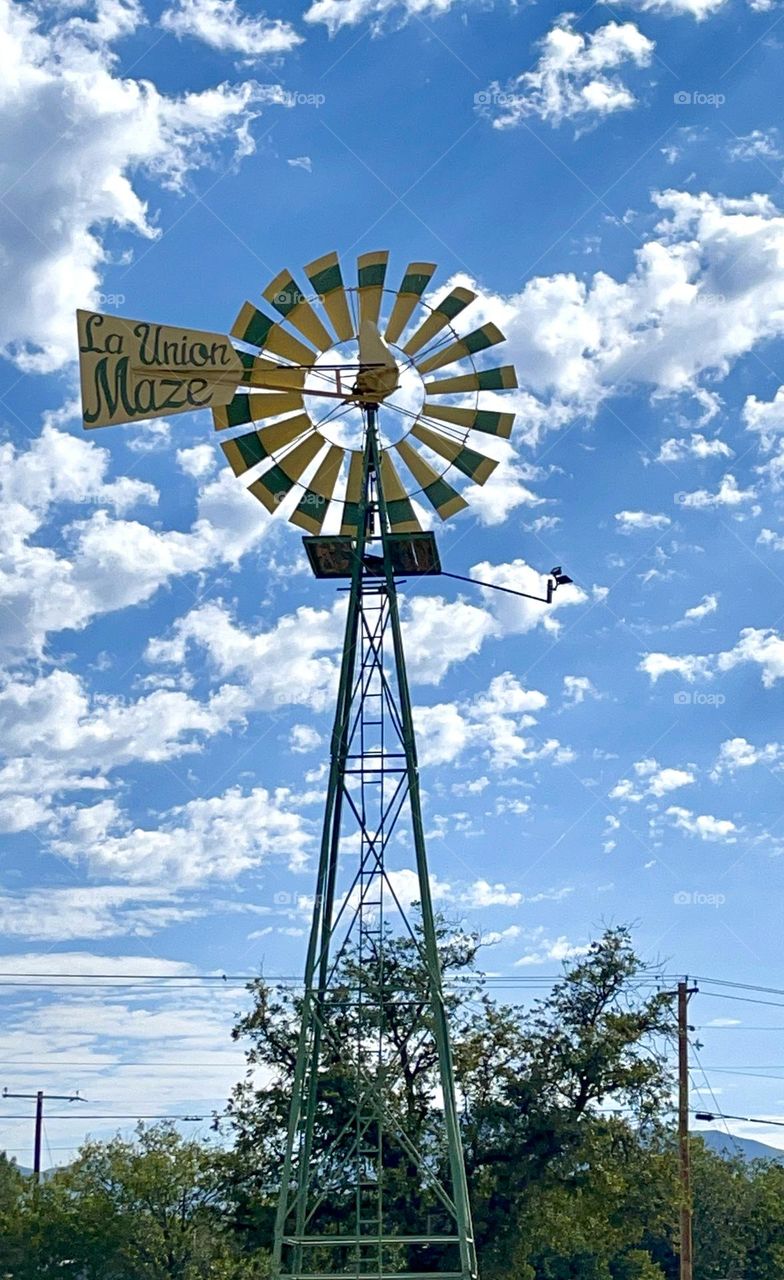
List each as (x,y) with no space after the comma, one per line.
(150,1209)
(566,1120)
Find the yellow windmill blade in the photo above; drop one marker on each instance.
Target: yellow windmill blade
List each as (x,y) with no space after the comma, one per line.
(350,519)
(285,295)
(487,420)
(475,465)
(371,273)
(273,486)
(310,512)
(256,408)
(134,369)
(253,327)
(478,340)
(402,518)
(327,280)
(442,315)
(444,500)
(415,280)
(244,452)
(503,379)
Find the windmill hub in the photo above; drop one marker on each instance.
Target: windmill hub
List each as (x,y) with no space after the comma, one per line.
(342,422)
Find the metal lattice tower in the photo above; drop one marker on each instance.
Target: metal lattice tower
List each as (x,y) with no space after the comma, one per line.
(332,1216)
(367,1191)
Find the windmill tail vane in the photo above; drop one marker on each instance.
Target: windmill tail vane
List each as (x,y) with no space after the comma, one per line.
(357,411)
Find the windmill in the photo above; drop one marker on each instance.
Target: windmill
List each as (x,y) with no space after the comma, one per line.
(348,408)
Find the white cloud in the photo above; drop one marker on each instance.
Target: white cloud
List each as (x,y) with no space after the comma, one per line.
(163,1045)
(102,563)
(439,633)
(765,417)
(223,26)
(507,804)
(708,605)
(697,446)
(198,461)
(58,740)
(543,524)
(301,162)
(82,963)
(698,9)
(763,646)
(443,732)
(495,936)
(703,825)
(336,14)
(634,521)
(652,780)
(706,288)
(738,753)
(516,616)
(95,911)
(494,723)
(662,781)
(405,886)
(574,78)
(727,495)
(506,489)
(81,135)
(303,738)
(577,689)
(689,667)
(769,538)
(483,894)
(217,838)
(546,949)
(756,145)
(58,467)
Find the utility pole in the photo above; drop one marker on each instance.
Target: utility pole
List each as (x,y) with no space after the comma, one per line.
(684,1153)
(39,1098)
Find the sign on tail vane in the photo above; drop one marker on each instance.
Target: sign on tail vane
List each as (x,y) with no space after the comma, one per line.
(133,369)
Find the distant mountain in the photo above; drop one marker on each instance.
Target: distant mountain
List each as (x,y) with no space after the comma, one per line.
(28,1173)
(724,1145)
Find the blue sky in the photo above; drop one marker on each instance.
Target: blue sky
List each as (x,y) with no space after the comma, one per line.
(609,182)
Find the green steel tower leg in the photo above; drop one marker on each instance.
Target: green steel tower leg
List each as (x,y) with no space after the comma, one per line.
(455,1146)
(333,1216)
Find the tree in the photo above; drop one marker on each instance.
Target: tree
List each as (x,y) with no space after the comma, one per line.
(149,1209)
(13,1231)
(532,1084)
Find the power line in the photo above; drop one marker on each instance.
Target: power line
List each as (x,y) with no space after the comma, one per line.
(744,986)
(724,995)
(114,1116)
(715,1103)
(710,1115)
